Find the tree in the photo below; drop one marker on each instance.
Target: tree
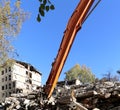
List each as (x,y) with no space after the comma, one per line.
(11,19)
(82,73)
(110,77)
(45,6)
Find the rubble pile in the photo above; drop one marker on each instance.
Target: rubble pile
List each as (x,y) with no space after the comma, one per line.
(105,95)
(99,95)
(21,101)
(95,96)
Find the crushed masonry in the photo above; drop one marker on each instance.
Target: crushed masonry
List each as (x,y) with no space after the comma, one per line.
(95,96)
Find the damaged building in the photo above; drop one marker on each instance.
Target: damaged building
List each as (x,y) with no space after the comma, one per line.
(21,89)
(18,77)
(71,96)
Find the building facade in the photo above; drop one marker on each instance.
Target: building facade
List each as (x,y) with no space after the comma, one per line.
(18,77)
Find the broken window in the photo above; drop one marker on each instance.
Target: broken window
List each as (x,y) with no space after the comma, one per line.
(2,72)
(13,84)
(9,85)
(30,75)
(9,69)
(9,93)
(9,77)
(5,70)
(26,72)
(30,81)
(2,79)
(6,86)
(6,78)
(2,87)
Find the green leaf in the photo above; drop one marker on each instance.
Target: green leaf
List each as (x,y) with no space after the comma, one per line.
(44,2)
(42,6)
(40,0)
(41,11)
(38,18)
(47,8)
(52,7)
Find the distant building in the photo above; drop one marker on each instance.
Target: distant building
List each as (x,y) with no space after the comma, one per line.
(69,83)
(18,77)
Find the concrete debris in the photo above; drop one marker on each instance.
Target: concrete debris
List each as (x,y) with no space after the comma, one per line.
(95,96)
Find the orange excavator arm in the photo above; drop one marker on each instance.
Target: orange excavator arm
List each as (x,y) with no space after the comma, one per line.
(74,24)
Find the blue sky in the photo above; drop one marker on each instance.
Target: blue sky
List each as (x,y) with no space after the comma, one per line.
(97,44)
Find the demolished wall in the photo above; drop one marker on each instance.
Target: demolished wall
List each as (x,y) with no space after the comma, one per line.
(95,96)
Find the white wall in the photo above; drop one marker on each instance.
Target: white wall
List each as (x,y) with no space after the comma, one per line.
(18,74)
